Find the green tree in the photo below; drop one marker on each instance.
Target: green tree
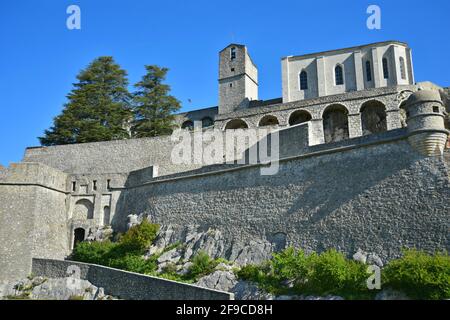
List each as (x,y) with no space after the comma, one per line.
(98,108)
(154,107)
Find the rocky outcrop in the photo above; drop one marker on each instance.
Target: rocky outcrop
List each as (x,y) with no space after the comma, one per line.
(40,288)
(195,239)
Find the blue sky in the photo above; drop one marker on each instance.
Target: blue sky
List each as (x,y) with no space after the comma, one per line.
(40,57)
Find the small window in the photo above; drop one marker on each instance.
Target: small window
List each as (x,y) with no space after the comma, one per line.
(232,69)
(436,109)
(94,185)
(385,68)
(303,80)
(108,183)
(74,186)
(231,85)
(338,75)
(402,68)
(368,71)
(233,53)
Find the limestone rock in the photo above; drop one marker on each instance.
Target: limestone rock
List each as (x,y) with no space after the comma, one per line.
(257,251)
(245,290)
(219,280)
(360,256)
(374,259)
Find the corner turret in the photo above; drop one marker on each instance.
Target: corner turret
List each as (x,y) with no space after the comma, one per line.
(425,119)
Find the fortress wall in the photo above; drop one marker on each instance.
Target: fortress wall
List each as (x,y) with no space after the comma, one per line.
(379,198)
(123,156)
(33,219)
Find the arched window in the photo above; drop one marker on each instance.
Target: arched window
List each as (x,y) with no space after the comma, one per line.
(268,121)
(373,117)
(84,209)
(299,116)
(335,123)
(303,80)
(187,125)
(368,71)
(207,122)
(402,68)
(385,68)
(236,124)
(338,75)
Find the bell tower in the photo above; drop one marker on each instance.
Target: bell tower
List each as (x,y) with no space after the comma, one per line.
(238,78)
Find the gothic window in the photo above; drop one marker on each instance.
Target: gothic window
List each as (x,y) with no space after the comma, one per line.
(385,68)
(402,68)
(368,71)
(303,80)
(233,53)
(338,75)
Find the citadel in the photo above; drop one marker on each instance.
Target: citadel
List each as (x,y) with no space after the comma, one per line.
(362,164)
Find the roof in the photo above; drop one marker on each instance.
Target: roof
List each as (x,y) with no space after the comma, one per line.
(343,50)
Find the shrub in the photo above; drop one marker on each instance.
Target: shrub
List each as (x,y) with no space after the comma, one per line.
(290,264)
(139,237)
(332,273)
(419,275)
(133,263)
(93,252)
(202,264)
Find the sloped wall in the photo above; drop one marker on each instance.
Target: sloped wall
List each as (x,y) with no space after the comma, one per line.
(378,197)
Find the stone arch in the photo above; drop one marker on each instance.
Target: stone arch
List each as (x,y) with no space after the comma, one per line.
(84,209)
(299,116)
(268,120)
(373,117)
(188,124)
(106,215)
(207,122)
(335,123)
(79,234)
(236,124)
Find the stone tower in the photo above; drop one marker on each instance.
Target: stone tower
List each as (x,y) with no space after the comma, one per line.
(425,118)
(238,78)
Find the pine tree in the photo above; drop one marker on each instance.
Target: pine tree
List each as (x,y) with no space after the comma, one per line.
(154,107)
(98,108)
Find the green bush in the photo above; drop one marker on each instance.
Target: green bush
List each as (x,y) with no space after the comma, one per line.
(332,273)
(93,252)
(419,275)
(290,264)
(202,264)
(328,273)
(126,254)
(139,237)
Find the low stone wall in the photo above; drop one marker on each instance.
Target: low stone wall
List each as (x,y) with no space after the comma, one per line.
(127,285)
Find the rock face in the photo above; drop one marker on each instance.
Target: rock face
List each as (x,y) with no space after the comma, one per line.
(211,241)
(40,288)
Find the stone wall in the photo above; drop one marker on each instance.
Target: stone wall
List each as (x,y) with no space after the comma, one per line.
(379,196)
(33,218)
(128,285)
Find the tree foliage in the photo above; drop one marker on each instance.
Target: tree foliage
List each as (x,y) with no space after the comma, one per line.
(154,107)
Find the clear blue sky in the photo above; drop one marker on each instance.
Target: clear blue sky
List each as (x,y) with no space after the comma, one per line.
(40,57)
